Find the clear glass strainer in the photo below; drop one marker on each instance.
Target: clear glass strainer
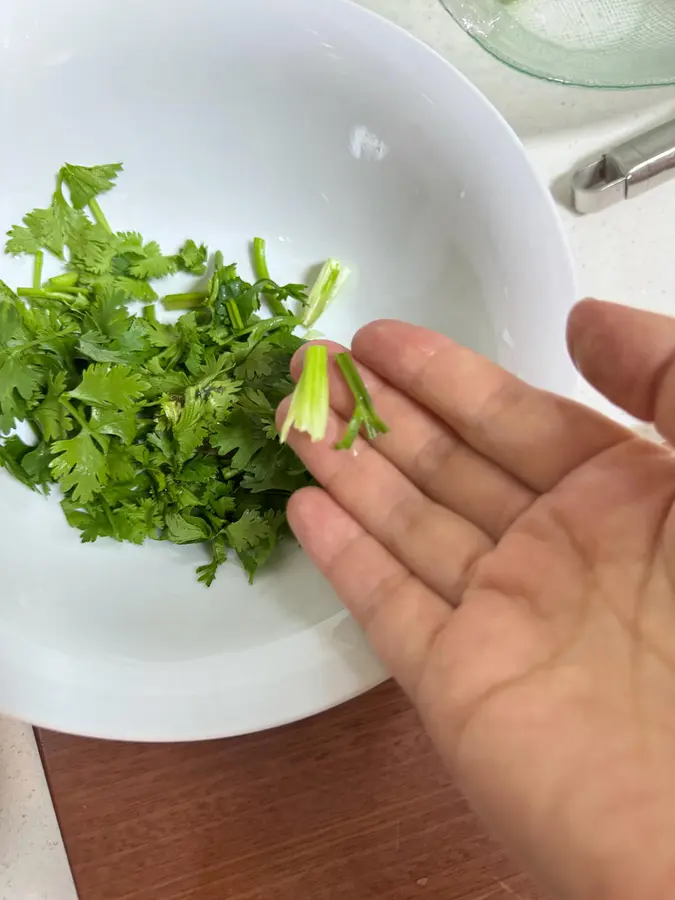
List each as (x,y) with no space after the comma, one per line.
(595,43)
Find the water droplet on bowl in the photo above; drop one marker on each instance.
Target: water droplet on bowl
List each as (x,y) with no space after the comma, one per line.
(363,144)
(507,339)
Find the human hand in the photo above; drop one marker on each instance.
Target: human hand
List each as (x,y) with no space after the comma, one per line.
(511,555)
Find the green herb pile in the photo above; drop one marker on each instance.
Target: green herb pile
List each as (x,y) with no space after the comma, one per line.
(150,430)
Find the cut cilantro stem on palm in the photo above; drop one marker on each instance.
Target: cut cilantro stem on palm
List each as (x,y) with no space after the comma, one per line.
(309,407)
(364,416)
(156,430)
(308,410)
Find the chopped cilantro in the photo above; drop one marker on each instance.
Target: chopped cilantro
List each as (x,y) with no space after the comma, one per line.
(153,430)
(192,258)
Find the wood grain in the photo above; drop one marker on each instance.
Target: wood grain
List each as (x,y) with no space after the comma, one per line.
(350,805)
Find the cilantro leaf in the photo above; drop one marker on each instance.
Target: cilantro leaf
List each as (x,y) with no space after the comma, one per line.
(152,263)
(79,466)
(119,423)
(130,243)
(104,385)
(249,530)
(192,258)
(92,247)
(87,182)
(92,521)
(134,521)
(257,363)
(188,423)
(20,380)
(21,239)
(185,529)
(254,536)
(131,288)
(120,463)
(12,328)
(200,470)
(239,433)
(13,452)
(51,416)
(108,313)
(207,573)
(48,227)
(7,295)
(36,466)
(97,348)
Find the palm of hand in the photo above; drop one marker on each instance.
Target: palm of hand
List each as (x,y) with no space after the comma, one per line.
(558,674)
(508,553)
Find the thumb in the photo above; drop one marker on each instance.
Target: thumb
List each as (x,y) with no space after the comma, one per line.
(629,356)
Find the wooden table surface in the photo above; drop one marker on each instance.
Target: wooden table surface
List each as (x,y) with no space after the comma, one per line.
(350,805)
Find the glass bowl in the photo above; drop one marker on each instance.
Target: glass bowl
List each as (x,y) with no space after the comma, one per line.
(593,43)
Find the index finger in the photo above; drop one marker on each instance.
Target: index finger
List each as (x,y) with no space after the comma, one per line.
(536,436)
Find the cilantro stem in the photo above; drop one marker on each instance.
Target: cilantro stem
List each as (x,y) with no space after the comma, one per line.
(262,274)
(17,351)
(62,290)
(353,378)
(150,313)
(97,213)
(260,259)
(310,401)
(364,412)
(234,315)
(189,300)
(109,517)
(258,331)
(276,306)
(79,418)
(37,269)
(44,295)
(65,282)
(331,278)
(214,281)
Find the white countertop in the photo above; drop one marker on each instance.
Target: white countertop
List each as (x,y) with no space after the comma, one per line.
(33,863)
(625,253)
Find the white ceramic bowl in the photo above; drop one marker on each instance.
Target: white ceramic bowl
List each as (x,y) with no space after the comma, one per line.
(331,133)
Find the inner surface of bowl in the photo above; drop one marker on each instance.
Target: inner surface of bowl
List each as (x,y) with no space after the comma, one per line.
(594,43)
(329,133)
